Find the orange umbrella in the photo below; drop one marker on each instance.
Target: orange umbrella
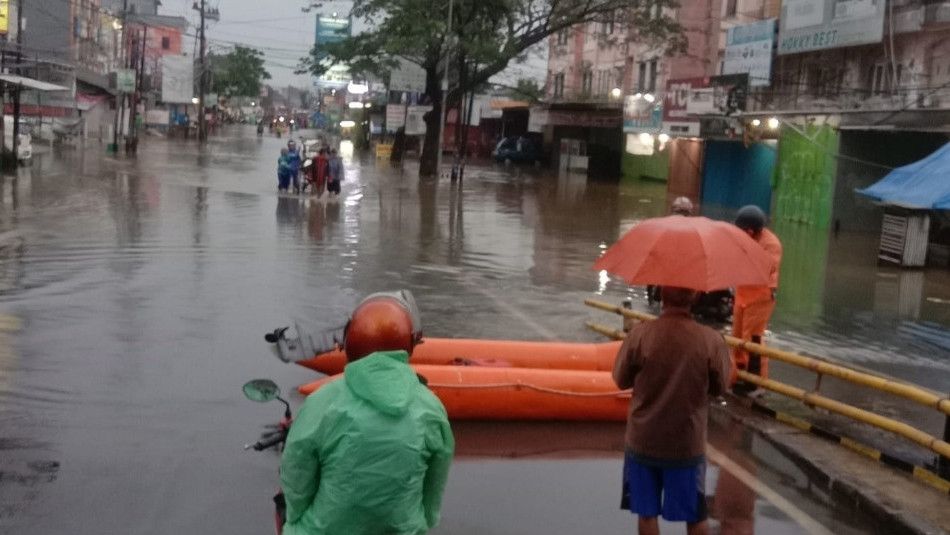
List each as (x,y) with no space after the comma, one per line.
(690,252)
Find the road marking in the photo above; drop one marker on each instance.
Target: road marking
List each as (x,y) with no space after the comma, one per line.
(516,312)
(803,519)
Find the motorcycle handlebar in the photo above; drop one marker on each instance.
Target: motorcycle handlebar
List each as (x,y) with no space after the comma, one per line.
(267,443)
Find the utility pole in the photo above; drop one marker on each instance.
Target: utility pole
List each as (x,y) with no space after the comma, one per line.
(202,127)
(445,92)
(16,89)
(119,97)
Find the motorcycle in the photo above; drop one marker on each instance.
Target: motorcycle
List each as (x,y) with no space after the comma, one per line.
(263,391)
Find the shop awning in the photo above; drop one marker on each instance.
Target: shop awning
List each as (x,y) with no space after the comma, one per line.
(30,83)
(922,184)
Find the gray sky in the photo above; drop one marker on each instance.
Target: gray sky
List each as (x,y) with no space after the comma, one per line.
(284,33)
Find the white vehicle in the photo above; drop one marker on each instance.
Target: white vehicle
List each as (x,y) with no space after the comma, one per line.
(25,143)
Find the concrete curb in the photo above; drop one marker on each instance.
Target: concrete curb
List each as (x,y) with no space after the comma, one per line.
(873,501)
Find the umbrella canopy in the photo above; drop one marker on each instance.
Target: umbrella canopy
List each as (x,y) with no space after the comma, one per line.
(690,252)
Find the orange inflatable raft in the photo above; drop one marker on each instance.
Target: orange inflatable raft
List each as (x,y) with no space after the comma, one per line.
(494,353)
(493,393)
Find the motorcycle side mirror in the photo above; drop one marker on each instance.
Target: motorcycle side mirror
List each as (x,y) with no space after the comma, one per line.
(261,390)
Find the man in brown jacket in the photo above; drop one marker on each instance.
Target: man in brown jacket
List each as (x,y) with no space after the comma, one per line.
(674,365)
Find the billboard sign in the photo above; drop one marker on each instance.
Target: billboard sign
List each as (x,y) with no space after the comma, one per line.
(679,94)
(407,77)
(749,50)
(177,79)
(807,25)
(331,30)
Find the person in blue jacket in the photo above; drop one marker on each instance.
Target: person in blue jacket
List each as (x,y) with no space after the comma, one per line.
(296,160)
(284,170)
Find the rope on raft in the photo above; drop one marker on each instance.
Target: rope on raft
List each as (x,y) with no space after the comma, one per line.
(546,390)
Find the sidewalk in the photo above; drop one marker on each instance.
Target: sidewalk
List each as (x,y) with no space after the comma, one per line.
(896,501)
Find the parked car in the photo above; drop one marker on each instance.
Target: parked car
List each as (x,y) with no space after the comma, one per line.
(517,150)
(25,142)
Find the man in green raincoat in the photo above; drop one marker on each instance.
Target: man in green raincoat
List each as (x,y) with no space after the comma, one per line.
(369,453)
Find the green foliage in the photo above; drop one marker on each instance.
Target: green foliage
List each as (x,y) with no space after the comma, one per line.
(486,35)
(238,73)
(525,90)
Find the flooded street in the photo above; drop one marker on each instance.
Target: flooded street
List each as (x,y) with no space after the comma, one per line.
(134,295)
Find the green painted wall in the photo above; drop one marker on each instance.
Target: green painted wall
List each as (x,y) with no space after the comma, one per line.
(804,180)
(655,167)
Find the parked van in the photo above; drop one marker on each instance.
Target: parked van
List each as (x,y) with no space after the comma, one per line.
(25,143)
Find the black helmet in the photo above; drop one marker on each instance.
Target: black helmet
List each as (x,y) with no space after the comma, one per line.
(750,217)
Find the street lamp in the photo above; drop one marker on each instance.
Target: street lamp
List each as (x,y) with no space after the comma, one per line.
(194,100)
(649,97)
(616,92)
(347,124)
(756,122)
(773,123)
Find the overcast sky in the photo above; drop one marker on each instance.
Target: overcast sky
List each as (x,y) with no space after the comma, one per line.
(285,34)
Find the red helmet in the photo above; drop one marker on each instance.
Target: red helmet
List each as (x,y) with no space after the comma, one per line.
(380,323)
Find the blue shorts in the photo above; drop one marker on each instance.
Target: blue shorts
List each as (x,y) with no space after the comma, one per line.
(676,490)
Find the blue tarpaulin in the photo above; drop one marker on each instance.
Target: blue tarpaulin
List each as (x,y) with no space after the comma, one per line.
(924,184)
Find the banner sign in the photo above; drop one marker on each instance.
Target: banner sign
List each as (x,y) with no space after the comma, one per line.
(807,25)
(640,115)
(415,120)
(749,50)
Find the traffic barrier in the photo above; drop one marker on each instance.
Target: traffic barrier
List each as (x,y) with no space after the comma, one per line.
(907,391)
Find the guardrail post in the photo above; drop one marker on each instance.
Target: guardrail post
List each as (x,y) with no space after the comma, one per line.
(627,322)
(943,463)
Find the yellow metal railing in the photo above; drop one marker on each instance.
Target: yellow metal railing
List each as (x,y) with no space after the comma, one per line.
(914,393)
(907,391)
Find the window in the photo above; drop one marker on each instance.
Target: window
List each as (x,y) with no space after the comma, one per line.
(166,43)
(588,82)
(653,66)
(730,8)
(562,36)
(880,79)
(607,23)
(656,10)
(646,83)
(559,85)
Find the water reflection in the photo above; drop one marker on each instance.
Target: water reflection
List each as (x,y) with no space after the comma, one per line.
(147,284)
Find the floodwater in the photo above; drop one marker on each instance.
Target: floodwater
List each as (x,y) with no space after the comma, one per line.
(134,295)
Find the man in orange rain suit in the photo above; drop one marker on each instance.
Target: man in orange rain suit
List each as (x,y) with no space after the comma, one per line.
(754,304)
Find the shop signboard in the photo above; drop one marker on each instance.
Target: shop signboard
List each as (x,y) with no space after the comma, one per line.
(807,25)
(749,50)
(125,80)
(641,115)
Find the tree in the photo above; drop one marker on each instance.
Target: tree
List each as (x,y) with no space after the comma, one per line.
(239,73)
(486,36)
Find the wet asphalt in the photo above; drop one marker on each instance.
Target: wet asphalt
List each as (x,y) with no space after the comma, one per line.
(135,292)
